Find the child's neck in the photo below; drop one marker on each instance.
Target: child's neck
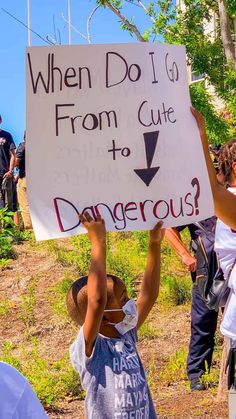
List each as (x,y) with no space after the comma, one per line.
(109,331)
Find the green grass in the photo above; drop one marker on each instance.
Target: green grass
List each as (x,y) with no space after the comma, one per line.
(152,375)
(211,377)
(126,258)
(28,303)
(5,306)
(148,331)
(176,283)
(175,290)
(57,295)
(4,263)
(175,369)
(9,235)
(51,381)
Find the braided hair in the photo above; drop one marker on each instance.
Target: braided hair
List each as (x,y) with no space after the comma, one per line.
(226,158)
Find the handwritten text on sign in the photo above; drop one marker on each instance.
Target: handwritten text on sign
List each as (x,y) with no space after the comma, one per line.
(110,131)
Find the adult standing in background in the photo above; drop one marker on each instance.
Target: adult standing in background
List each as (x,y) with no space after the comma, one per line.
(21,186)
(7,162)
(203,320)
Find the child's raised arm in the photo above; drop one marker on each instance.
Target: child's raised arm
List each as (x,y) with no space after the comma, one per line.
(224,201)
(97,279)
(151,279)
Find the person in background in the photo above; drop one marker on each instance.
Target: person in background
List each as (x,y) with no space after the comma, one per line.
(224,200)
(21,185)
(203,320)
(17,398)
(7,163)
(225,243)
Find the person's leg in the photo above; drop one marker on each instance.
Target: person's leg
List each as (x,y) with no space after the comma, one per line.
(23,203)
(203,327)
(9,194)
(1,194)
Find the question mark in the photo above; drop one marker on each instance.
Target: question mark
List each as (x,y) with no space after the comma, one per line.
(194,182)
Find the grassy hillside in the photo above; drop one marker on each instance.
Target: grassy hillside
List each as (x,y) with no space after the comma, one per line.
(36,332)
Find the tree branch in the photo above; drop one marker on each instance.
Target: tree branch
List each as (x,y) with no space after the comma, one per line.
(89,22)
(74,28)
(126,22)
(146,11)
(226,37)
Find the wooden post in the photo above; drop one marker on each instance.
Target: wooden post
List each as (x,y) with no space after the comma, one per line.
(222,388)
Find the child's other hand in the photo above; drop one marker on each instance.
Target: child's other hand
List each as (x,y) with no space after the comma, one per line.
(199,119)
(96,228)
(157,233)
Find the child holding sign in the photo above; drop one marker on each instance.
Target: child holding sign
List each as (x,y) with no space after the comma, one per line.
(104,352)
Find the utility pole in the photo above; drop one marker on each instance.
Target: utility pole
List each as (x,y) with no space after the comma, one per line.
(69,22)
(29,30)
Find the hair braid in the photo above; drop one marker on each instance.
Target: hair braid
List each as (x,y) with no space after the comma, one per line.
(226,158)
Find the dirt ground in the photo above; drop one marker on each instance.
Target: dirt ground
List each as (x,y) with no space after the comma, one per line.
(172,400)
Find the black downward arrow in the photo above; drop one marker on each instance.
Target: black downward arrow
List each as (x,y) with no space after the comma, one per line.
(147,174)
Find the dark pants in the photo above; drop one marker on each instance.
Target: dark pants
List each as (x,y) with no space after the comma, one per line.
(203,327)
(8,195)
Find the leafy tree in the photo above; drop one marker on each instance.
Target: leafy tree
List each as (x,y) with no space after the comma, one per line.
(211,53)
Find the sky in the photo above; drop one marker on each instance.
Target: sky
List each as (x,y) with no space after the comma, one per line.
(105,28)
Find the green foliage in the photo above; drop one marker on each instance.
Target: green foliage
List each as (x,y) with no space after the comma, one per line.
(151,375)
(6,250)
(50,380)
(4,307)
(218,130)
(176,290)
(77,256)
(28,302)
(175,369)
(4,263)
(206,55)
(211,377)
(124,258)
(176,283)
(231,7)
(57,295)
(83,248)
(8,357)
(148,332)
(9,234)
(141,238)
(205,52)
(126,253)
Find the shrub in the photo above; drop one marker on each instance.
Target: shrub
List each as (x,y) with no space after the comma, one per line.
(9,234)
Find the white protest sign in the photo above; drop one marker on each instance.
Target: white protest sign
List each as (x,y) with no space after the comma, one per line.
(109,129)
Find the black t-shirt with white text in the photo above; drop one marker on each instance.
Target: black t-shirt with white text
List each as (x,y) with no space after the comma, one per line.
(20,153)
(6,145)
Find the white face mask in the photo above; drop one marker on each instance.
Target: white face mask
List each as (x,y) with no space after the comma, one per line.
(131,317)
